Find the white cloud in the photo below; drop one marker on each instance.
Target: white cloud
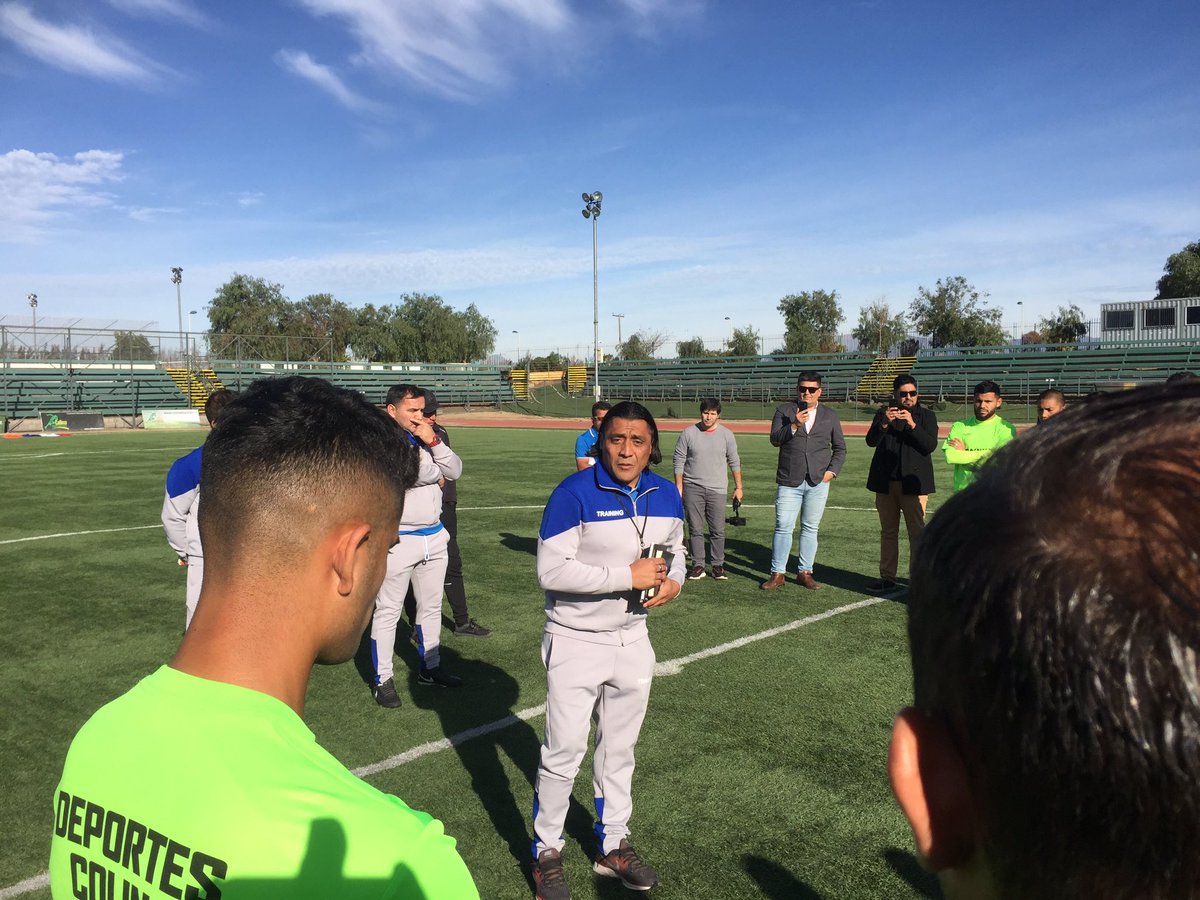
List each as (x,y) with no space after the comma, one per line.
(246,199)
(180,10)
(151,213)
(77,49)
(35,187)
(301,64)
(451,47)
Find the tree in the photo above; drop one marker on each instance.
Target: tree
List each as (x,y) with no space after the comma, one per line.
(1065,326)
(692,348)
(951,315)
(1181,276)
(810,322)
(744,342)
(878,329)
(422,328)
(131,345)
(642,345)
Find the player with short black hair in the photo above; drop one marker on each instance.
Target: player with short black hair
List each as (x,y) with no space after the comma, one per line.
(585,444)
(203,779)
(972,441)
(1053,751)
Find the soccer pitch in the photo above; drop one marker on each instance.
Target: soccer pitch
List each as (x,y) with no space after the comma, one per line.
(761,766)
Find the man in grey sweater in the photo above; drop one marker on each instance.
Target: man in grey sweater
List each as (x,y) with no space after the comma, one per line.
(702,455)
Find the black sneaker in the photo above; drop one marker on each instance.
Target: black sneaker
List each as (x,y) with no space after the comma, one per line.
(472,628)
(624,863)
(882,586)
(437,677)
(549,877)
(719,573)
(385,694)
(695,573)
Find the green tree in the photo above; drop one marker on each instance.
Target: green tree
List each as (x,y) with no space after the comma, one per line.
(1181,274)
(326,323)
(642,345)
(252,308)
(810,322)
(692,348)
(878,329)
(131,345)
(1065,326)
(423,328)
(952,315)
(744,342)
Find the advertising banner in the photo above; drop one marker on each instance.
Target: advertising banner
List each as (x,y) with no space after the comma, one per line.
(170,418)
(72,420)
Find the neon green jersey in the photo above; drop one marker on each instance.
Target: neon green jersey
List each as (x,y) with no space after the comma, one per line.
(190,788)
(982,439)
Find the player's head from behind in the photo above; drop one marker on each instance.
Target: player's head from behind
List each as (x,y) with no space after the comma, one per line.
(904,391)
(628,441)
(406,404)
(216,402)
(710,412)
(599,410)
(987,400)
(303,489)
(1050,403)
(1054,627)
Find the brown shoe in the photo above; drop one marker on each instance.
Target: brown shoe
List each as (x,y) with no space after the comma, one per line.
(805,579)
(777,579)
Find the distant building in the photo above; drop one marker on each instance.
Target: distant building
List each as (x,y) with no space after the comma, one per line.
(1151,320)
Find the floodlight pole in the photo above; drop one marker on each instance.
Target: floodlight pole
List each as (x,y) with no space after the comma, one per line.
(177,280)
(618,317)
(518,334)
(591,211)
(33,308)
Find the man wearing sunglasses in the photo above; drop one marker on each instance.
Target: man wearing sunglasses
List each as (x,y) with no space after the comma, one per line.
(811,452)
(904,435)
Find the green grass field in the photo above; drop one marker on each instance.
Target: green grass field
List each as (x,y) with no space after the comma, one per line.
(761,770)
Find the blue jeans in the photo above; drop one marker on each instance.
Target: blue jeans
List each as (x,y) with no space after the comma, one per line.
(808,502)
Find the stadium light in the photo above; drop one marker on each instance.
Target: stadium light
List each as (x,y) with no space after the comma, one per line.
(177,280)
(591,210)
(618,317)
(518,334)
(33,308)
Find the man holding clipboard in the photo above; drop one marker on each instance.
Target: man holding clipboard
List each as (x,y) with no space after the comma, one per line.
(610,548)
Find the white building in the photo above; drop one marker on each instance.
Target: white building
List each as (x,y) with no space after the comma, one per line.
(1151,320)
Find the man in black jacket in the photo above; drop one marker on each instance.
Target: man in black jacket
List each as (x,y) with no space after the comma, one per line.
(904,434)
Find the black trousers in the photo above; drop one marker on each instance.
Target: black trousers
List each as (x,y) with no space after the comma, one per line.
(456,590)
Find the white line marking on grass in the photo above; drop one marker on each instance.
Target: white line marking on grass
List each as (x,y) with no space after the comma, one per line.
(34,456)
(670,667)
(486,508)
(36,883)
(46,537)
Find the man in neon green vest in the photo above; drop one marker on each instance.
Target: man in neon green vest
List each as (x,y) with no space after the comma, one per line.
(972,441)
(203,779)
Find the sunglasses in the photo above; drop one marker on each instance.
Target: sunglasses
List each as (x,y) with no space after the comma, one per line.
(804,389)
(907,393)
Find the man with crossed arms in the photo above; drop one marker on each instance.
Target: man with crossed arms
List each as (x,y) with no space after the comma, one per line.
(419,557)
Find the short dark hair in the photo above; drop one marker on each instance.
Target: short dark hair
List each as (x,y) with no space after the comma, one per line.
(296,439)
(1181,376)
(987,386)
(216,402)
(1054,393)
(630,410)
(1065,668)
(808,376)
(398,392)
(710,404)
(600,405)
(901,380)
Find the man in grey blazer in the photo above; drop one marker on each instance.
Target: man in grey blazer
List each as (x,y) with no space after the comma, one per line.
(811,452)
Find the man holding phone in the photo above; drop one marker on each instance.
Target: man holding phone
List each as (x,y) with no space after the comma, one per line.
(904,434)
(811,452)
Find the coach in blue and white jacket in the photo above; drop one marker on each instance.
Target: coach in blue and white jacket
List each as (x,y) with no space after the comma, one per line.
(596,647)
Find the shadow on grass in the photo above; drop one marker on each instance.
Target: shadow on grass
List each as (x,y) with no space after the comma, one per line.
(752,560)
(776,882)
(519,542)
(906,866)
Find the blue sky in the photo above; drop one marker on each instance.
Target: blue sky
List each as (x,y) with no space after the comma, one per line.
(367,148)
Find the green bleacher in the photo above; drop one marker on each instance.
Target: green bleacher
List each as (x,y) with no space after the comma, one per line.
(112,389)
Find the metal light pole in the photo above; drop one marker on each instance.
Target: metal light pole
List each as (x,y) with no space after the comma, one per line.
(518,359)
(177,280)
(1021,314)
(33,307)
(729,344)
(618,317)
(591,210)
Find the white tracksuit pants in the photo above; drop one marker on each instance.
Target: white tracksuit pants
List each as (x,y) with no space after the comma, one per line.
(420,560)
(611,684)
(195,578)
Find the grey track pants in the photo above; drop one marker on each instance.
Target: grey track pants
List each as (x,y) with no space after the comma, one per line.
(195,578)
(419,560)
(700,505)
(609,683)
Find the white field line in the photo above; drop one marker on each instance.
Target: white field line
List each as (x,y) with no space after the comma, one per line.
(46,537)
(100,452)
(34,456)
(670,667)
